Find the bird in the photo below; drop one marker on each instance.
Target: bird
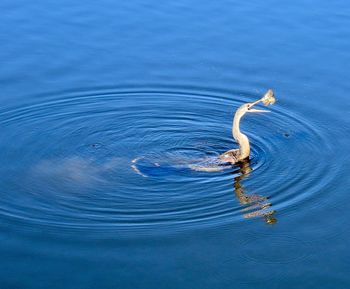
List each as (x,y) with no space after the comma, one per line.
(242,154)
(220,161)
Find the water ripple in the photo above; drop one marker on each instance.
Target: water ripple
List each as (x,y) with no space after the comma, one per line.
(70,161)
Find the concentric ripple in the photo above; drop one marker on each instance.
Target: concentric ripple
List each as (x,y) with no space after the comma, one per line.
(69,161)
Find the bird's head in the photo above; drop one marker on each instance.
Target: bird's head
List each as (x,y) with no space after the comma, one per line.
(267,99)
(248,107)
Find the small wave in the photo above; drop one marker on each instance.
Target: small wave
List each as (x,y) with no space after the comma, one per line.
(71,161)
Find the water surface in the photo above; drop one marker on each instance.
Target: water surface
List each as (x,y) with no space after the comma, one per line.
(88,88)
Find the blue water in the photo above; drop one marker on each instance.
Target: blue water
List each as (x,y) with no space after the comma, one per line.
(106,105)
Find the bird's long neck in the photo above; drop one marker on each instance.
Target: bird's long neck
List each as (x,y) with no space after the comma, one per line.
(242,139)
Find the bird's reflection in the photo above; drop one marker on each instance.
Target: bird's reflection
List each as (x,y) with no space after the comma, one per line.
(253,205)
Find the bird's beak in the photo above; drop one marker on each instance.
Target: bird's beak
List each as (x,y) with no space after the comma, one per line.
(256,102)
(258,110)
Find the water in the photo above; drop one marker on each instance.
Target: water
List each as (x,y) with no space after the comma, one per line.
(87,88)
